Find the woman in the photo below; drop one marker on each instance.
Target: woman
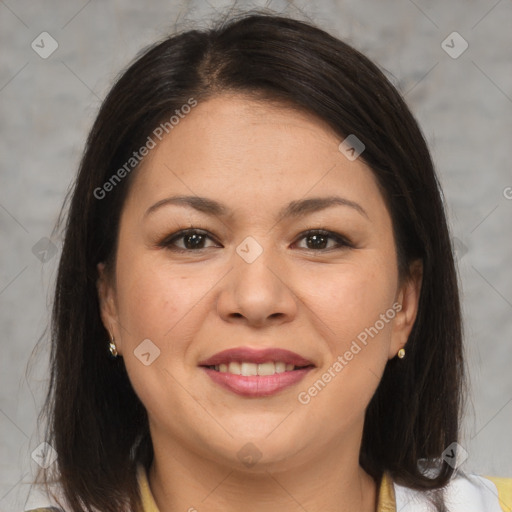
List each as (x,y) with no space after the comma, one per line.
(256,306)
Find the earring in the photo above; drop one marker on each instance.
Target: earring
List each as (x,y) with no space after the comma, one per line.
(112,346)
(401,353)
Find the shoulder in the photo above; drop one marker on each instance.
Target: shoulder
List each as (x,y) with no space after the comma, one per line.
(45,509)
(504,489)
(464,493)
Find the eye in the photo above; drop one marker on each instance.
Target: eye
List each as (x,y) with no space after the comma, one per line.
(193,240)
(318,239)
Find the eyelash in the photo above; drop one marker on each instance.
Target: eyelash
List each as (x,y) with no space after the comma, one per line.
(168,242)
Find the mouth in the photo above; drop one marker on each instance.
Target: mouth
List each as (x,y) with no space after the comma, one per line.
(248,369)
(256,373)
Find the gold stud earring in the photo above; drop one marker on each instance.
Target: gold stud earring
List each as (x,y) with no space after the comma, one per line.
(401,353)
(112,346)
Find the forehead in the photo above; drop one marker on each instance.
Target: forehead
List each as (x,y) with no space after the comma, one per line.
(233,145)
(230,125)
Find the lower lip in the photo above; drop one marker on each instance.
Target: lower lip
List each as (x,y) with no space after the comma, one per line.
(257,385)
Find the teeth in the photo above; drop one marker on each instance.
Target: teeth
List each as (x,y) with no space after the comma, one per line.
(280,367)
(266,369)
(251,369)
(235,368)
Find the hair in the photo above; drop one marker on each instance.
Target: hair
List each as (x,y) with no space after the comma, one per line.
(97,424)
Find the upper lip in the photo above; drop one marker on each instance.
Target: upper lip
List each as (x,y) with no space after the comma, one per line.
(257,356)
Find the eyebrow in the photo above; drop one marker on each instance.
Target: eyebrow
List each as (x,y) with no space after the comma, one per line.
(297,208)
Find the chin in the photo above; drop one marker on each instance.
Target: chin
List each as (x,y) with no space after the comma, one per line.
(260,453)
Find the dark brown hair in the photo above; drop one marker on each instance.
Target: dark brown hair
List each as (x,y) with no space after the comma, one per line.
(97,424)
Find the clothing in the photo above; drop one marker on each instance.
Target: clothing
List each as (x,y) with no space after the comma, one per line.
(464,493)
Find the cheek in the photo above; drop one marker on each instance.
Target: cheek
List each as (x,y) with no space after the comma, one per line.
(357,308)
(350,299)
(165,304)
(160,303)
(154,296)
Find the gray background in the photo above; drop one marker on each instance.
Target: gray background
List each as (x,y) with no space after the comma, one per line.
(463,104)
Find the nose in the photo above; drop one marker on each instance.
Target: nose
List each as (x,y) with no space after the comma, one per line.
(257,293)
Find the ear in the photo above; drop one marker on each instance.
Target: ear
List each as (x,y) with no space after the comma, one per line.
(408,297)
(107,302)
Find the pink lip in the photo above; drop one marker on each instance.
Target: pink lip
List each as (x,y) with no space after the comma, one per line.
(251,355)
(256,385)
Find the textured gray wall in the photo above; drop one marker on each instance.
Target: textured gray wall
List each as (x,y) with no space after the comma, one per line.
(463,104)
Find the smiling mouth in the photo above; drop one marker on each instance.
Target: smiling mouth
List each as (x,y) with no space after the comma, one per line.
(256,380)
(256,372)
(247,369)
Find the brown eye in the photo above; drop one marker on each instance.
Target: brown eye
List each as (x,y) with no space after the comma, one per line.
(319,240)
(191,240)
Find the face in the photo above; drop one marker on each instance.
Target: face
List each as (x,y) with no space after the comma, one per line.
(264,272)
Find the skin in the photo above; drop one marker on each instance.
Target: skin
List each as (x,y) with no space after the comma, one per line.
(255,157)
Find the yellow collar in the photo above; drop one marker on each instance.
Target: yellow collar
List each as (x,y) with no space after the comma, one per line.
(386,501)
(148,502)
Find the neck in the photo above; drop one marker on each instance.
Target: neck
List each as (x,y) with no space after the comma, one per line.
(185,481)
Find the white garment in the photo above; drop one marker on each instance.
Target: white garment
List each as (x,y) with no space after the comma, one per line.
(464,493)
